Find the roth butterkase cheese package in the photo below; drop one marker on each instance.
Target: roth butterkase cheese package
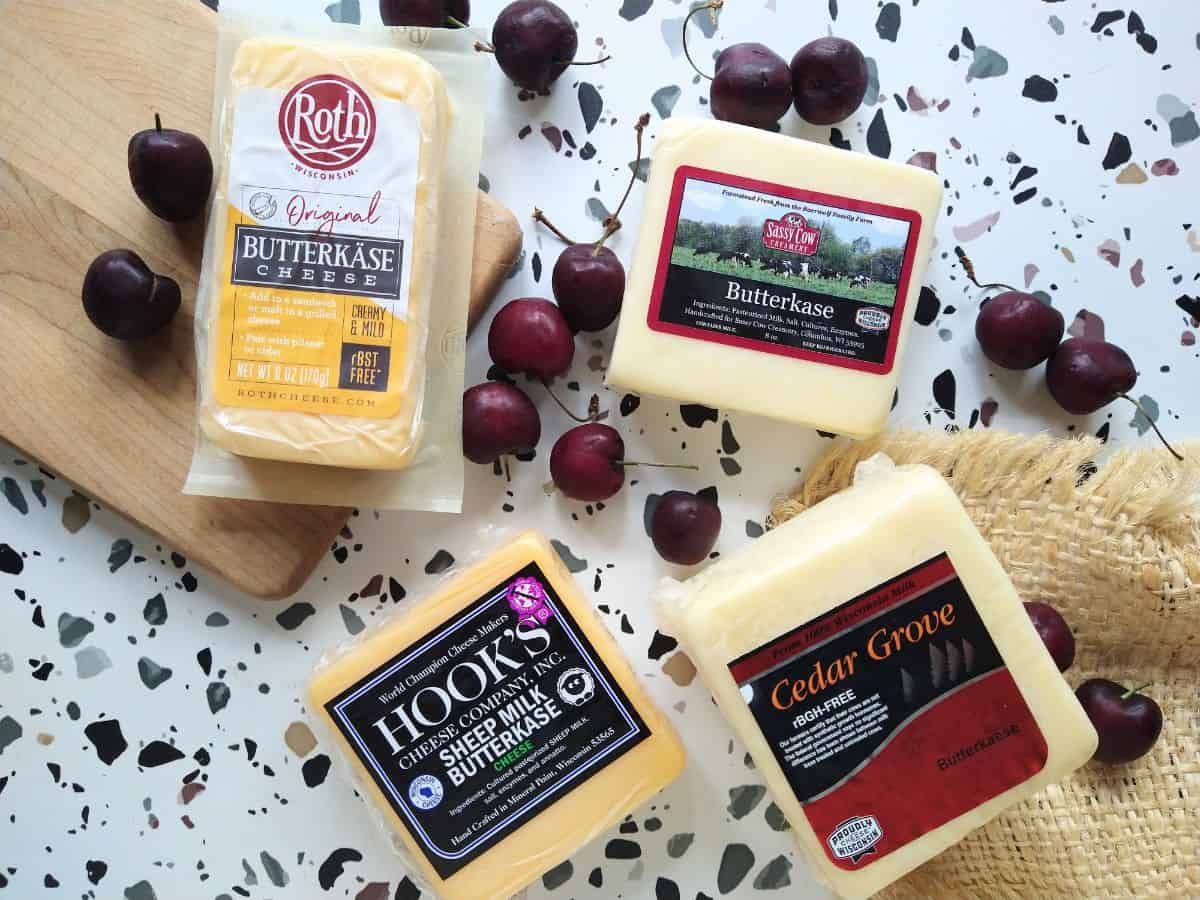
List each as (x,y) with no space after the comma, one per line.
(331,316)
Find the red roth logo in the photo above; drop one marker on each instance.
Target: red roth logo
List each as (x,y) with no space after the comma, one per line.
(791,234)
(327,122)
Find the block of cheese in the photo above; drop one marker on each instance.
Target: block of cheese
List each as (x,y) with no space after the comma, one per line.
(775,276)
(876,661)
(497,726)
(314,345)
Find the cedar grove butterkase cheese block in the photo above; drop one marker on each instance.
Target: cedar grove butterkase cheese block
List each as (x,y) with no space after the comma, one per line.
(329,201)
(497,726)
(879,666)
(775,276)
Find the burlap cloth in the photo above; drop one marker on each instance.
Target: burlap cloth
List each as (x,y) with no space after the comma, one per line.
(1116,549)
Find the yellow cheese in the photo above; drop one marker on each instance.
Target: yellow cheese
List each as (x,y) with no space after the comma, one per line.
(497,726)
(775,276)
(326,242)
(876,661)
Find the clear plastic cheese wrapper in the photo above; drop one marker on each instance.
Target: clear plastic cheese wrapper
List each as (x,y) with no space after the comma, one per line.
(496,726)
(878,664)
(331,317)
(775,276)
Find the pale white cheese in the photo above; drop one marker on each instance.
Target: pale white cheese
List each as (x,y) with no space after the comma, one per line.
(879,666)
(775,276)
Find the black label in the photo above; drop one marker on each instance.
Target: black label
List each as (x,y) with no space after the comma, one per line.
(481,725)
(891,714)
(364,367)
(893,667)
(784,270)
(321,263)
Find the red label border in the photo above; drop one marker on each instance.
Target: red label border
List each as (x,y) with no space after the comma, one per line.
(724,179)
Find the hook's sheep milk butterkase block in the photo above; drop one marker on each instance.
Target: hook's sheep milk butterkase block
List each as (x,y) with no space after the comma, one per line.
(329,206)
(879,666)
(496,726)
(775,276)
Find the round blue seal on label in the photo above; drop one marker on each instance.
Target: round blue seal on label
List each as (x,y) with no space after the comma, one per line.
(426,792)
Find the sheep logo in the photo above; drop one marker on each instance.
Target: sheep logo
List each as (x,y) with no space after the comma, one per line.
(527,597)
(576,686)
(426,792)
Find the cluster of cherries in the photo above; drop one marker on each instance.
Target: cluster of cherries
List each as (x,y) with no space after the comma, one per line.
(1127,721)
(1016,330)
(171,172)
(534,41)
(534,337)
(754,86)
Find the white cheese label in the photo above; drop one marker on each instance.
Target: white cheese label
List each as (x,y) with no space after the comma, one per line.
(322,194)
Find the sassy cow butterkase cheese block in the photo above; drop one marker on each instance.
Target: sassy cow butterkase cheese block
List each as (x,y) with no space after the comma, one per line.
(327,235)
(775,276)
(497,726)
(880,668)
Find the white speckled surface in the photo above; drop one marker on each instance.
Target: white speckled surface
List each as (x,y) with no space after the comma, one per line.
(1128,253)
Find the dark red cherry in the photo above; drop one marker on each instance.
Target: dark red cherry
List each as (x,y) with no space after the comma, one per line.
(498,419)
(685,527)
(419,13)
(425,13)
(1018,331)
(125,299)
(171,172)
(534,41)
(589,285)
(829,80)
(1055,633)
(531,336)
(752,86)
(587,462)
(1127,722)
(1085,375)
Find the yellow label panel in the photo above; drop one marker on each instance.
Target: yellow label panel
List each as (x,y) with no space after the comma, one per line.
(305,349)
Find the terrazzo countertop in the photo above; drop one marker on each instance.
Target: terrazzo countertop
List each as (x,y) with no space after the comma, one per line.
(153,742)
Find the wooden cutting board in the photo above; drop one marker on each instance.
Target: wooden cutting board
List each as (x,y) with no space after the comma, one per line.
(80,77)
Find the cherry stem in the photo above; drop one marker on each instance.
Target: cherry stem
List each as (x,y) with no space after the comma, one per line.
(590,62)
(1148,418)
(582,419)
(507,470)
(455,23)
(539,216)
(481,47)
(969,268)
(157,122)
(712,6)
(1137,690)
(612,224)
(690,467)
